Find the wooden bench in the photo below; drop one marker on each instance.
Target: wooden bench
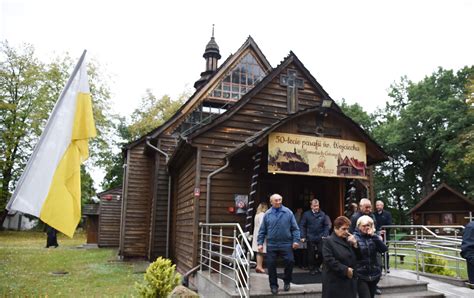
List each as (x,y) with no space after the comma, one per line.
(400,256)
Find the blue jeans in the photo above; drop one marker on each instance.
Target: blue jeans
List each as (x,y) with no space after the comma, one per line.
(289,260)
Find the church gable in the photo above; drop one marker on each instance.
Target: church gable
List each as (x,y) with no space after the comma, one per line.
(236,77)
(283,92)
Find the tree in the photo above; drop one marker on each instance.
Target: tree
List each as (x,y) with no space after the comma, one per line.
(28,91)
(24,100)
(151,114)
(357,113)
(421,130)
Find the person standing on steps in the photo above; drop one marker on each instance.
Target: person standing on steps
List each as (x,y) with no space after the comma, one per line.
(281,231)
(261,209)
(314,227)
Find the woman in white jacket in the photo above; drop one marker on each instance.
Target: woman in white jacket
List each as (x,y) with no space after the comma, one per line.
(261,209)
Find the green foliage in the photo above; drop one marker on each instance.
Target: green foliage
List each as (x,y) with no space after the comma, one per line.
(357,113)
(159,280)
(427,130)
(421,130)
(29,90)
(87,186)
(435,265)
(152,113)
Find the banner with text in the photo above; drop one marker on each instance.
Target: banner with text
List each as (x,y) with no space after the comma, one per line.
(314,156)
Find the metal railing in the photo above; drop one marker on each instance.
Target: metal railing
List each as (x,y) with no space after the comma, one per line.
(416,243)
(226,252)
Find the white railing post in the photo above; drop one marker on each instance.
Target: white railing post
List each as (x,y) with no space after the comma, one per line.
(422,254)
(417,257)
(210,251)
(220,254)
(202,248)
(458,270)
(395,249)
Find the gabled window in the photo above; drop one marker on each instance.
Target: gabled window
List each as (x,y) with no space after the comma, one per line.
(241,79)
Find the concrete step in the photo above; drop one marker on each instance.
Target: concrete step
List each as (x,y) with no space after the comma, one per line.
(391,286)
(413,294)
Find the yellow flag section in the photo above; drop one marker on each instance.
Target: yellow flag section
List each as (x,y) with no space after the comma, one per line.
(50,186)
(62,207)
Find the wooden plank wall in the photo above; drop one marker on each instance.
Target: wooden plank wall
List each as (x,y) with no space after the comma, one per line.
(183,216)
(137,205)
(109,219)
(160,201)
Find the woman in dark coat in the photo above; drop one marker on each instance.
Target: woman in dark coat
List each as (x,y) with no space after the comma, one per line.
(339,261)
(368,269)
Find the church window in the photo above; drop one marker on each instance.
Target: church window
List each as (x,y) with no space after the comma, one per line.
(240,79)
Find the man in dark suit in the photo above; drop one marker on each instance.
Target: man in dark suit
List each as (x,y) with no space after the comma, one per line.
(313,228)
(383,218)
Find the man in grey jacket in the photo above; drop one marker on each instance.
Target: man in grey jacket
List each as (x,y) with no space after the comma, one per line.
(280,229)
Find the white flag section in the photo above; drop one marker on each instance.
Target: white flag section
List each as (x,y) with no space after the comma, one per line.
(50,186)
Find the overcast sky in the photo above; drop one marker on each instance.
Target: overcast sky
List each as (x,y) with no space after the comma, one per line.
(355,49)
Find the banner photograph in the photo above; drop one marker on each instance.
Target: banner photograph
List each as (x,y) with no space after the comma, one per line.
(314,156)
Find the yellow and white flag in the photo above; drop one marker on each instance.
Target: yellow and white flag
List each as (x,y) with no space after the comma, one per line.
(50,186)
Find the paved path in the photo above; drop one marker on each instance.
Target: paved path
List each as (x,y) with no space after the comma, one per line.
(449,290)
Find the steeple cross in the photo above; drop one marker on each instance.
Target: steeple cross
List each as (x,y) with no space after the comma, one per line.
(292,84)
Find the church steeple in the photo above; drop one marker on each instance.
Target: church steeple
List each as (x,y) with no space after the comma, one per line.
(212,55)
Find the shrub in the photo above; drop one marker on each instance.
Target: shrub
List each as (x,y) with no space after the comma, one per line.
(159,280)
(435,265)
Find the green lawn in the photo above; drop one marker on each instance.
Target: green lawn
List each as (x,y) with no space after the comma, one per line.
(410,262)
(26,266)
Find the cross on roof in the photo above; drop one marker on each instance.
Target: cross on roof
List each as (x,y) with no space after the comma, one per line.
(292,83)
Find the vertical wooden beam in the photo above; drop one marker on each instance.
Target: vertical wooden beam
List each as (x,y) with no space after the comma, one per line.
(197,183)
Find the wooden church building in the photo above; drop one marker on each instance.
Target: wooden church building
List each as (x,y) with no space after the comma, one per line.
(248,126)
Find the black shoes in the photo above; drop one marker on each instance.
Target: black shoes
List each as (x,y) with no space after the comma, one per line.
(274,291)
(286,288)
(315,271)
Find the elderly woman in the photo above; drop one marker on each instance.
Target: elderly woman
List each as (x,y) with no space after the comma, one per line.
(261,209)
(339,261)
(368,268)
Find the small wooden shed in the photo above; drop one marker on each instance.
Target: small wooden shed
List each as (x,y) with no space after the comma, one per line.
(109,217)
(443,206)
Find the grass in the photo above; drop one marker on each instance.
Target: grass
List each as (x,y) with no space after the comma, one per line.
(410,262)
(26,266)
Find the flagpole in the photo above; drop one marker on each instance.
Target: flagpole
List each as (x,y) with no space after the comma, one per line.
(35,150)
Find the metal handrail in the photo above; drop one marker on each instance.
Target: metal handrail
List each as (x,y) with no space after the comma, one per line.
(424,237)
(235,259)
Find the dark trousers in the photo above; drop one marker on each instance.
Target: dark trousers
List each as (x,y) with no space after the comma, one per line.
(366,289)
(386,261)
(289,260)
(52,239)
(470,269)
(315,256)
(301,257)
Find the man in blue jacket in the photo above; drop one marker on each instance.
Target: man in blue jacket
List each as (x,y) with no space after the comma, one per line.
(314,227)
(280,229)
(467,250)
